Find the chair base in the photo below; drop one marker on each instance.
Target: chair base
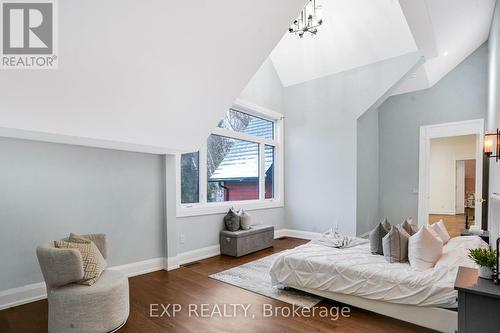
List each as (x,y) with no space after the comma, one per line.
(102,307)
(118,328)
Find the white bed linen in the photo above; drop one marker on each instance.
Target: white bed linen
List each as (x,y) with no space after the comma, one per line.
(355,271)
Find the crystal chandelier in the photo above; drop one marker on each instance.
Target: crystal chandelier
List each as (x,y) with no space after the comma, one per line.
(308,21)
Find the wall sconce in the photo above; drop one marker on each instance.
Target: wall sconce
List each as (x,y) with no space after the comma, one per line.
(490,144)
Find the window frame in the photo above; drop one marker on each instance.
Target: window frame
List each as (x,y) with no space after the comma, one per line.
(206,208)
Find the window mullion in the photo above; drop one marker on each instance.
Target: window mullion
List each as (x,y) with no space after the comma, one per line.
(203,174)
(262,172)
(243,136)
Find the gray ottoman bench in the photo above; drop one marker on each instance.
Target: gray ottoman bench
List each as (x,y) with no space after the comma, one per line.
(241,242)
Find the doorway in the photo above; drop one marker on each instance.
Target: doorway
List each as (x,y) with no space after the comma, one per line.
(452,182)
(447,152)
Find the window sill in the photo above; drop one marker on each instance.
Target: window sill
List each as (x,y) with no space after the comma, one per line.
(223,207)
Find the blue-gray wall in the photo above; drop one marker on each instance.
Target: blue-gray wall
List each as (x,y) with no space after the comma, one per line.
(48,190)
(367,205)
(460,95)
(320,142)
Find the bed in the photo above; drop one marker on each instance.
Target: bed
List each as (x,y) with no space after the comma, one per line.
(355,276)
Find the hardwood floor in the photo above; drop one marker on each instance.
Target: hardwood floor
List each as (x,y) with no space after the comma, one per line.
(191,284)
(452,222)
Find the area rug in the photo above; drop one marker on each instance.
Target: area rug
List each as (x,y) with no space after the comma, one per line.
(254,276)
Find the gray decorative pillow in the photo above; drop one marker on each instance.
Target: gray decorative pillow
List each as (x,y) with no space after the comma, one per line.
(386,224)
(395,245)
(232,220)
(409,227)
(375,237)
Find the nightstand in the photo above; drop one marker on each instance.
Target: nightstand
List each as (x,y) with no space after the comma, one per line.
(478,302)
(485,235)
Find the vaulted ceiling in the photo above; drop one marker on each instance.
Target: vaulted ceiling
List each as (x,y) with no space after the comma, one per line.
(356,33)
(152,76)
(157,76)
(446,32)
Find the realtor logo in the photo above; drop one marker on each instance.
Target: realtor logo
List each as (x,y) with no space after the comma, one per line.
(28,35)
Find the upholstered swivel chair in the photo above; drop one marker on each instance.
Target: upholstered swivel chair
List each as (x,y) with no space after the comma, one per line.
(102,307)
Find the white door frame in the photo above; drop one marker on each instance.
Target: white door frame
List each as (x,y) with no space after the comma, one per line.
(467,127)
(459,186)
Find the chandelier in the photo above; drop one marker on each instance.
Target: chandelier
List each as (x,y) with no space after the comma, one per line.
(308,21)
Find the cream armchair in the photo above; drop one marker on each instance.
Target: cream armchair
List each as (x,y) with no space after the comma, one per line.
(102,307)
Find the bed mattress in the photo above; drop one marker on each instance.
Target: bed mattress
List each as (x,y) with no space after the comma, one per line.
(355,271)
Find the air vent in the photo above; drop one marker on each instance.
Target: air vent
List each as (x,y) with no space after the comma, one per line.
(282,238)
(191,264)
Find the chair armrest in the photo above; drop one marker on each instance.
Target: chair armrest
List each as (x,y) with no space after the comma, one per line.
(60,266)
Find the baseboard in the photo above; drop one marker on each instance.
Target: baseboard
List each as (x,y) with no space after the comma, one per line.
(279,233)
(141,267)
(22,295)
(37,291)
(190,256)
(296,234)
(171,263)
(214,250)
(442,212)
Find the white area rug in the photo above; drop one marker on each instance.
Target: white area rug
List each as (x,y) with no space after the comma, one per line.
(254,276)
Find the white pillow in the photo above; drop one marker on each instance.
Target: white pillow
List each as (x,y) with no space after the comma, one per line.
(424,249)
(440,229)
(431,230)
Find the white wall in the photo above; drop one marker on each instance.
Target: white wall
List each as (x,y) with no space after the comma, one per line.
(444,154)
(320,142)
(264,89)
(494,122)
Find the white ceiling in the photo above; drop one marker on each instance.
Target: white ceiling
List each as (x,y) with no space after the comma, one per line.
(151,76)
(446,32)
(157,77)
(361,32)
(355,33)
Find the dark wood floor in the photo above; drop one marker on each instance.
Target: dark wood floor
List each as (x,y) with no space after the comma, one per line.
(192,285)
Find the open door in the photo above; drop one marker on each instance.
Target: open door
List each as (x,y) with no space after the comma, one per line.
(441,131)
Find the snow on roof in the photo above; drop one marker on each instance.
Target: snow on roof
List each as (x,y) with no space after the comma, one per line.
(242,160)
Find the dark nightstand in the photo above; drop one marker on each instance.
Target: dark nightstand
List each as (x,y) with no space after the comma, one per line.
(478,302)
(485,235)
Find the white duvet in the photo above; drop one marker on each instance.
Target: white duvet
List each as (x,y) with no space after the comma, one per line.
(355,271)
